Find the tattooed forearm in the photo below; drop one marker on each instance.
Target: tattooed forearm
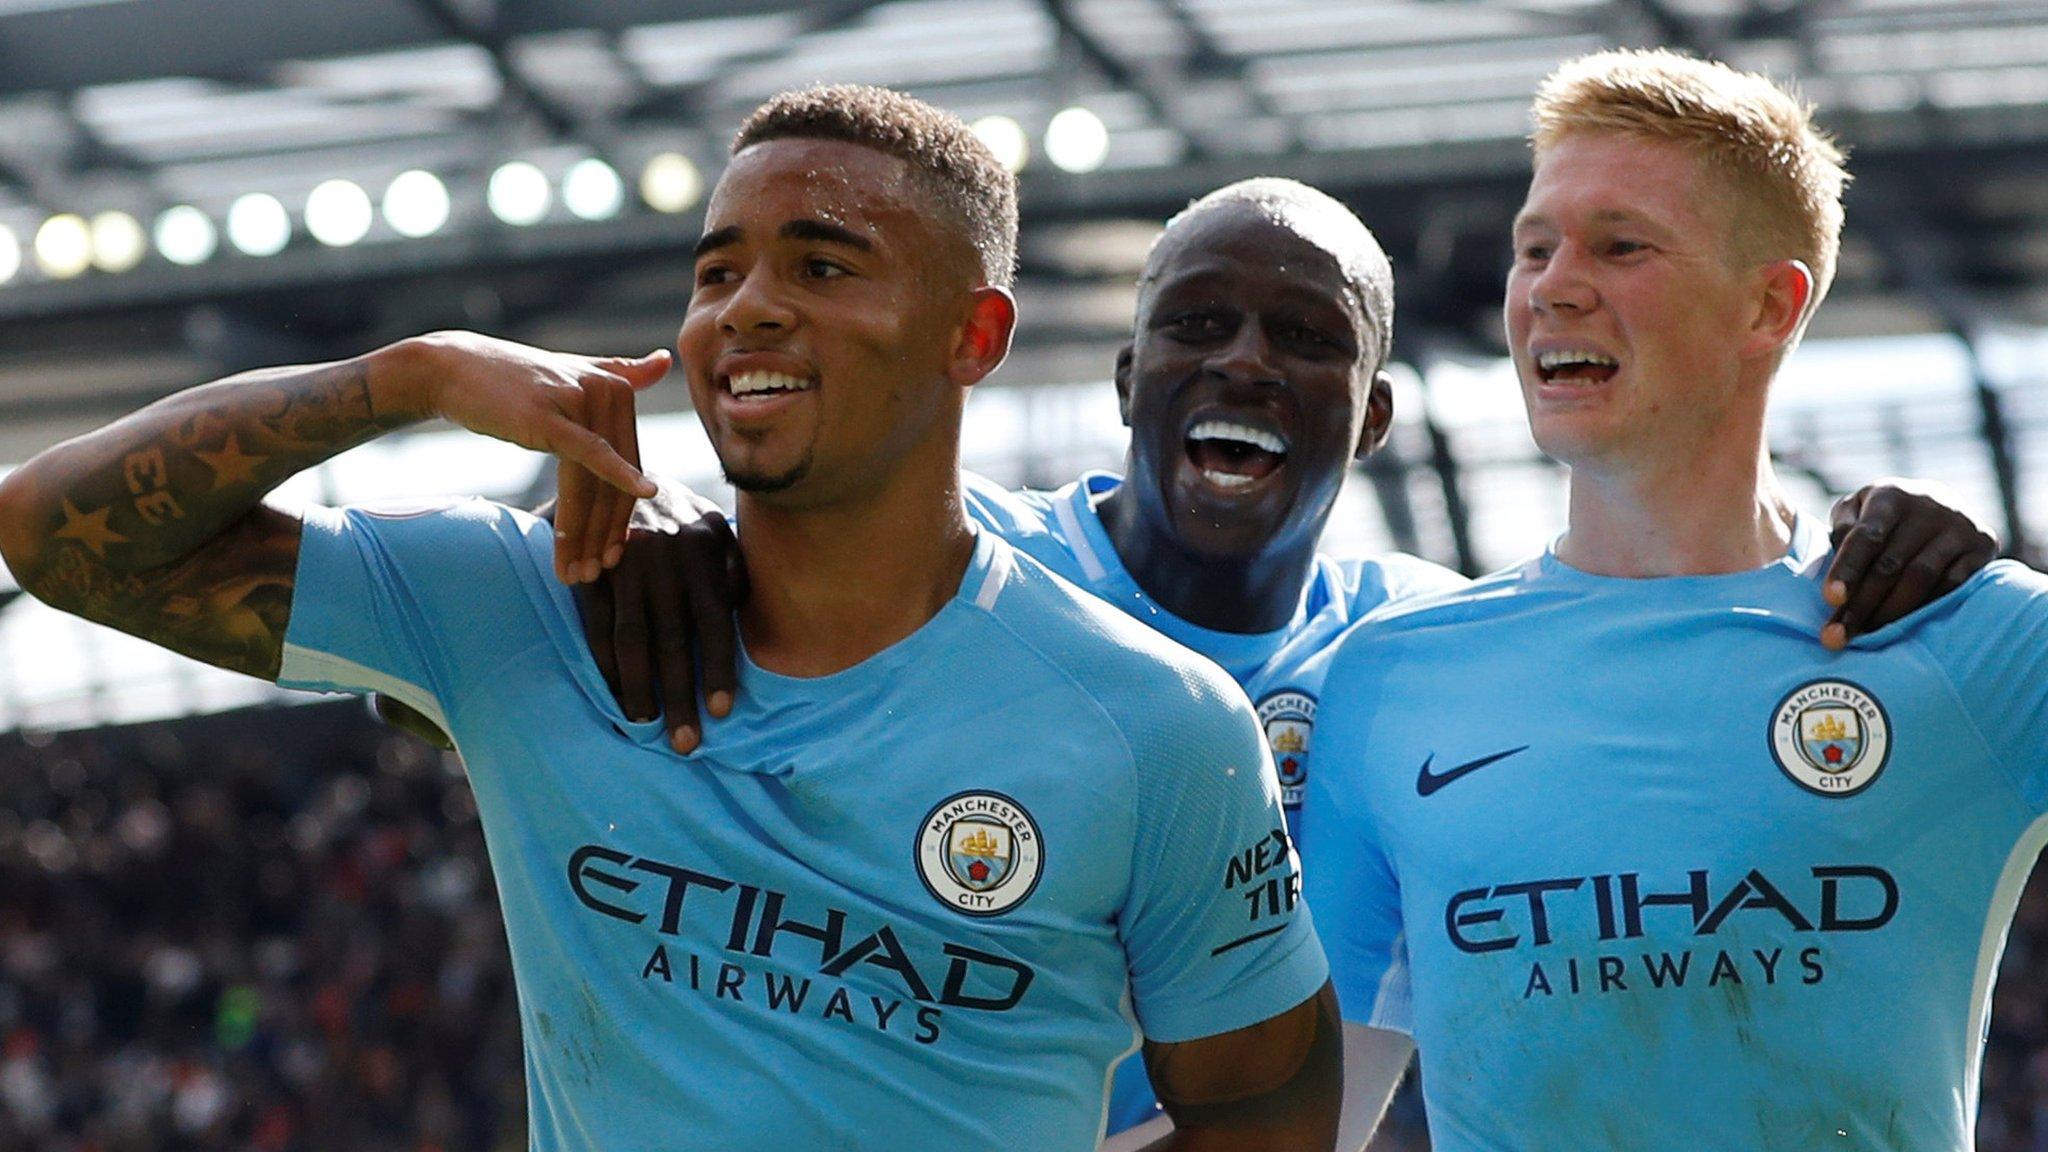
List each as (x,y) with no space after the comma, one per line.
(144,491)
(154,524)
(1275,1085)
(226,604)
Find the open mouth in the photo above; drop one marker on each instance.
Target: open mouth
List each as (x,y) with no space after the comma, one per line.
(754,386)
(1576,366)
(1233,455)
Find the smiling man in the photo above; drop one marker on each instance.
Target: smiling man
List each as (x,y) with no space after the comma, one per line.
(1253,378)
(1652,869)
(842,922)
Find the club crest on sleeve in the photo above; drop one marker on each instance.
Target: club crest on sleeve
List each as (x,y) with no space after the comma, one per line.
(1289,719)
(979,853)
(1831,737)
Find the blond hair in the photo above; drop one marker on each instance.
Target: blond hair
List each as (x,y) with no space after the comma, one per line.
(1757,136)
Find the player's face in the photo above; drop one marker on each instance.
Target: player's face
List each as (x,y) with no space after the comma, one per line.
(1625,307)
(815,342)
(1248,384)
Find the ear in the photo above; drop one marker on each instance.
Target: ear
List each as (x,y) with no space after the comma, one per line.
(984,339)
(1123,384)
(1379,415)
(1785,297)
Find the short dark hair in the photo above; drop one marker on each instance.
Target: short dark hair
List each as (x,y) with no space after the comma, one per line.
(946,158)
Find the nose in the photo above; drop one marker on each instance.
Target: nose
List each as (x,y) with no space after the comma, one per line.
(1562,285)
(1247,358)
(756,305)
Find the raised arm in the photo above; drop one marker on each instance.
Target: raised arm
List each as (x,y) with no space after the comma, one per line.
(155,524)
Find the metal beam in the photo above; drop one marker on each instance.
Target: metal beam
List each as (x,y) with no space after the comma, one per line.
(1123,74)
(496,44)
(693,102)
(64,47)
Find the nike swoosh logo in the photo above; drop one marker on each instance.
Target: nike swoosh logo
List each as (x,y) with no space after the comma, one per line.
(1427,783)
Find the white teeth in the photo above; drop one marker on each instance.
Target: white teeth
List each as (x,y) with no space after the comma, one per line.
(747,383)
(1225,479)
(1550,361)
(1241,433)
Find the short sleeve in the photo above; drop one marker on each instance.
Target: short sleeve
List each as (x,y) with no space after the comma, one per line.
(1994,649)
(395,602)
(1214,928)
(1348,879)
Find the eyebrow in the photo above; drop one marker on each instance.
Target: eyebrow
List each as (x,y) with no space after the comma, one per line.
(1604,216)
(815,230)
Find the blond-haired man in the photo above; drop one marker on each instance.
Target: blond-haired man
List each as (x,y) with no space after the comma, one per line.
(1672,877)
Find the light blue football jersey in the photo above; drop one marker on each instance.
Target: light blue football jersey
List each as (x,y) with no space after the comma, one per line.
(1642,866)
(925,902)
(1282,670)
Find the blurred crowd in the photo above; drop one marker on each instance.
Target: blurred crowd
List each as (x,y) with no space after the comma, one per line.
(275,930)
(269,930)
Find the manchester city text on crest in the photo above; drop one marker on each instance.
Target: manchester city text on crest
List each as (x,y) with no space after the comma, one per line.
(1289,719)
(979,853)
(1831,737)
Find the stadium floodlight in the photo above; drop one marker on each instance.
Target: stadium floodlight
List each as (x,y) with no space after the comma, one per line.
(64,246)
(118,243)
(10,254)
(416,204)
(258,224)
(1076,140)
(186,236)
(592,190)
(1007,139)
(518,194)
(671,183)
(338,213)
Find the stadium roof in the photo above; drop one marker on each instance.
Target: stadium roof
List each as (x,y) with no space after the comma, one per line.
(1411,109)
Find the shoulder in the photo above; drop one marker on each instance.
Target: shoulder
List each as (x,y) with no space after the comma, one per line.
(1037,523)
(1372,581)
(466,514)
(1006,509)
(450,554)
(1432,623)
(2002,588)
(1140,679)
(1460,601)
(2004,605)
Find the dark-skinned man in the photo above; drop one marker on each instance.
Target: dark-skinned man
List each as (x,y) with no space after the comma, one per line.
(899,897)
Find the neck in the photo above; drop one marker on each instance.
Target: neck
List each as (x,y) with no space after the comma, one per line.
(1258,594)
(1702,516)
(833,585)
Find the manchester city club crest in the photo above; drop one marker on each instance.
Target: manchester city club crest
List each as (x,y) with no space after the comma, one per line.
(979,853)
(1290,720)
(1831,737)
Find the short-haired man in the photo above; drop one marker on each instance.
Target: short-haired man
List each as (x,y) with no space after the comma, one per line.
(1651,869)
(901,896)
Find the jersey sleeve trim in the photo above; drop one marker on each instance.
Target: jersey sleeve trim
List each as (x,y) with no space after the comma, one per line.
(1253,998)
(306,668)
